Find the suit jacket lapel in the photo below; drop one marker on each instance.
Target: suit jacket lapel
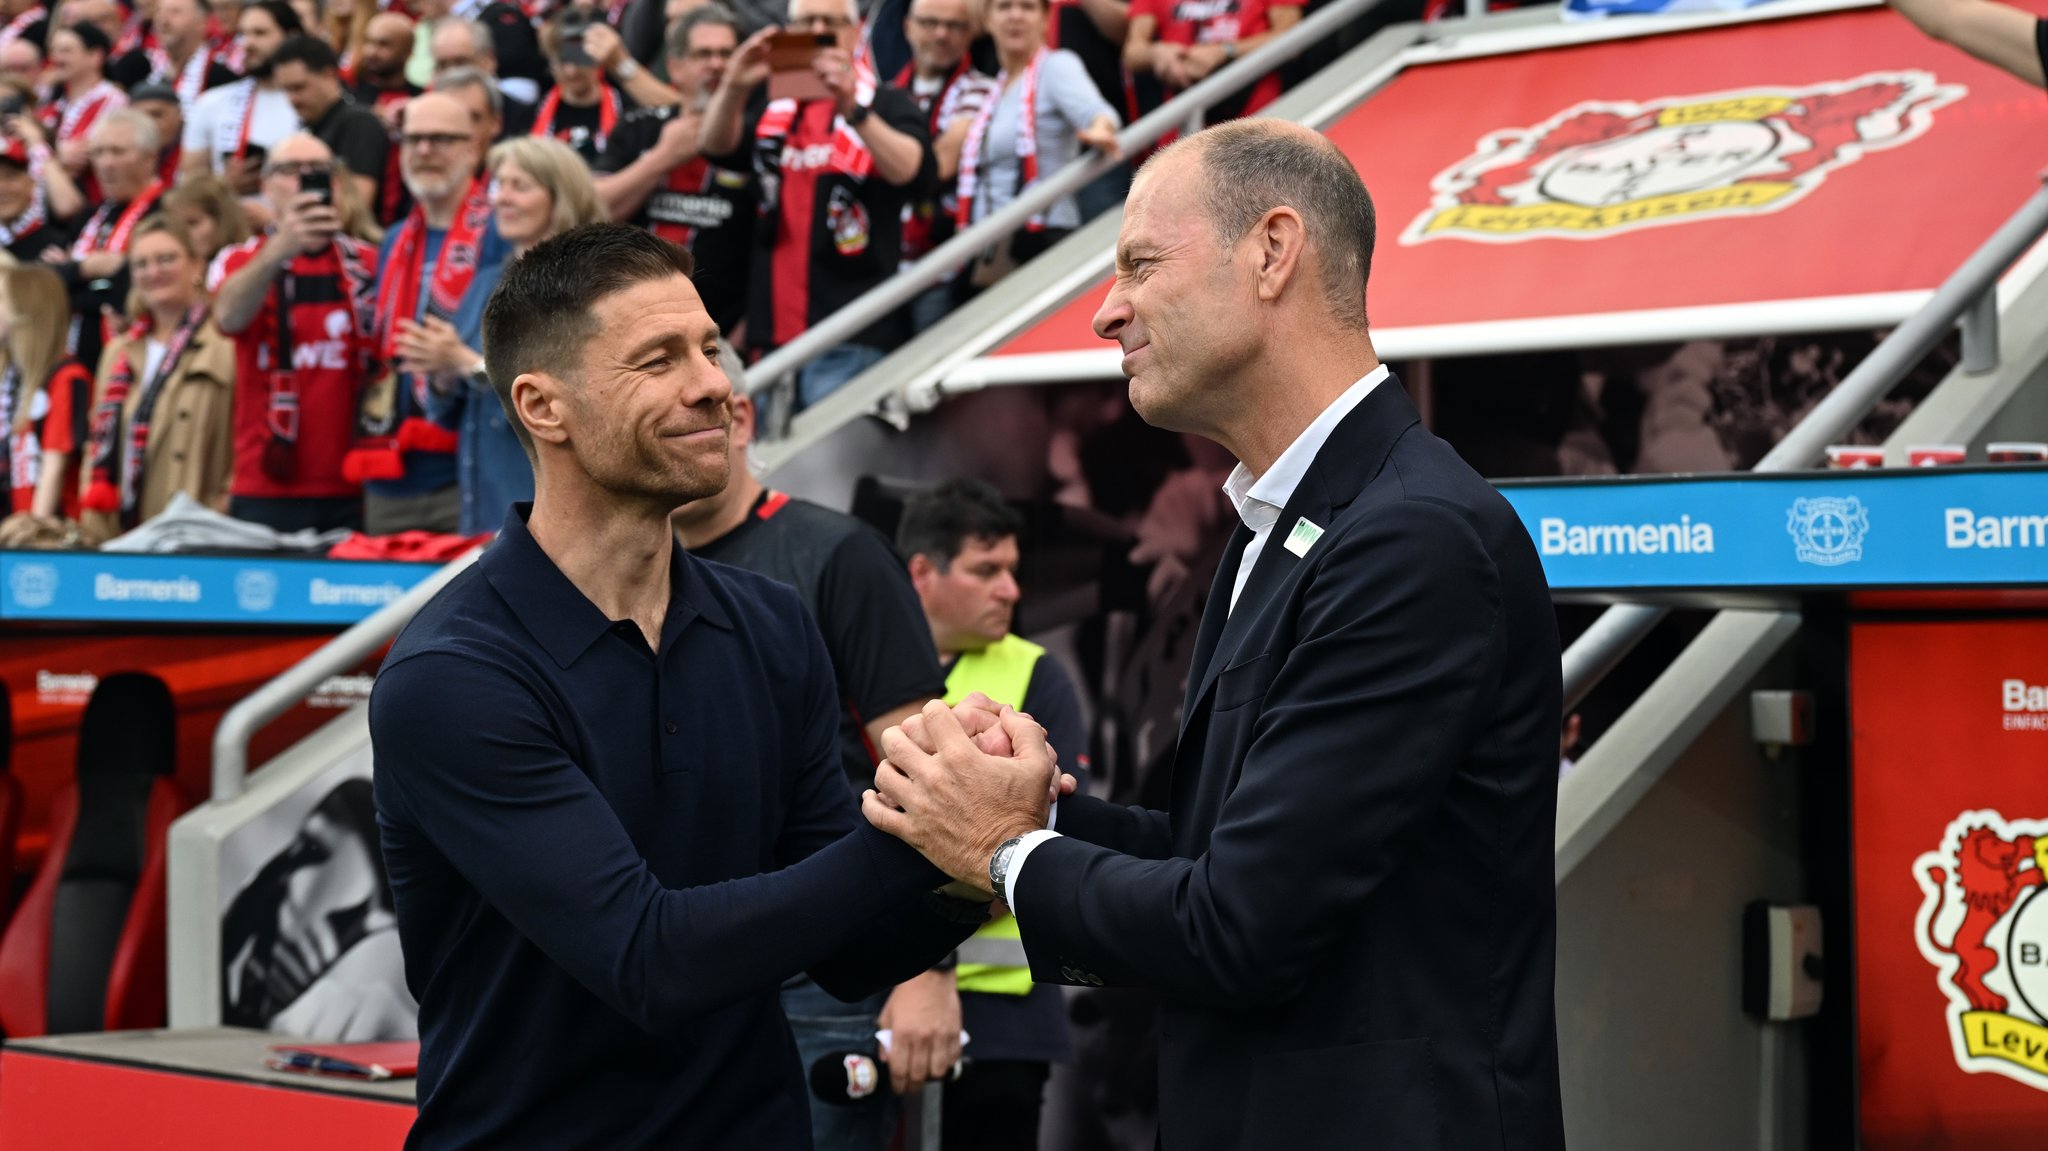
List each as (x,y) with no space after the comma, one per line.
(1213,618)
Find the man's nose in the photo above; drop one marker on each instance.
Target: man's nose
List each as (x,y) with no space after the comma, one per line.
(1113,315)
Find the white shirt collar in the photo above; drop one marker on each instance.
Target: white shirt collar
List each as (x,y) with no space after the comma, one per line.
(1260,499)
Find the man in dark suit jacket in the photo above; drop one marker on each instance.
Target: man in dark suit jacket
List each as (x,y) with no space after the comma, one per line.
(1348,908)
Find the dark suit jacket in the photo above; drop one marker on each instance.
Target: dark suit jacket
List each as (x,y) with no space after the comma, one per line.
(1348,909)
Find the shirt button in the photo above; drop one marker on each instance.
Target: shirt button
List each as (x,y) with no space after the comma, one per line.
(671,727)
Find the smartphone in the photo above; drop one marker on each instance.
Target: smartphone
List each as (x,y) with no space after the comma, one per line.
(790,76)
(10,106)
(320,184)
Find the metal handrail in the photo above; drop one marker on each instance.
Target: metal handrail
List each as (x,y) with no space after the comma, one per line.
(1176,113)
(1620,628)
(350,648)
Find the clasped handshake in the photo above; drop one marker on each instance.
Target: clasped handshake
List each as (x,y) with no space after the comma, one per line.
(958,782)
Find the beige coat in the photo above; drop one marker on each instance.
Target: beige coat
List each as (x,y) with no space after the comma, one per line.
(191,433)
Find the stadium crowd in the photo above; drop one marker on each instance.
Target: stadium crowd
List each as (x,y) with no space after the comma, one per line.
(249,244)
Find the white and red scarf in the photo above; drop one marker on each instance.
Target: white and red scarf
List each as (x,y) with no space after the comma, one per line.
(73,119)
(1027,143)
(608,108)
(106,232)
(114,482)
(19,26)
(188,81)
(241,115)
(37,213)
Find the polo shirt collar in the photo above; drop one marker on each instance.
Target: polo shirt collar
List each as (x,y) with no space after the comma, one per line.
(558,614)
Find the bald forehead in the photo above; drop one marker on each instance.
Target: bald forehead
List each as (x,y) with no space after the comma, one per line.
(436,112)
(301,148)
(389,24)
(447,31)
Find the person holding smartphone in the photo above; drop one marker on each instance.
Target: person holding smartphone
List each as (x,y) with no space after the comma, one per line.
(836,159)
(299,302)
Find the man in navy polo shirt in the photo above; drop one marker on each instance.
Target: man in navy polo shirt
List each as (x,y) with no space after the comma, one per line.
(608,774)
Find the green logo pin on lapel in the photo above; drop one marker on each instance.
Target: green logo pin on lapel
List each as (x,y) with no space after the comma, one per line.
(1303,537)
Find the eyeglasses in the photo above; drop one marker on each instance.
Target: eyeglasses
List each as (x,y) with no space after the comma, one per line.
(934,24)
(819,20)
(297,168)
(436,141)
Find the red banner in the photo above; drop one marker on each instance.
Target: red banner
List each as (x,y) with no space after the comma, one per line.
(1950,786)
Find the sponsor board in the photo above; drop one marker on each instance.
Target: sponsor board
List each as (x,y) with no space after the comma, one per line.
(1906,528)
(197,589)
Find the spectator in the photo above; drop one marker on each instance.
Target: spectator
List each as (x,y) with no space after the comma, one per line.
(160,103)
(309,74)
(108,16)
(79,96)
(608,52)
(539,188)
(380,63)
(864,606)
(347,28)
(407,462)
(583,110)
(177,55)
(1046,110)
(64,201)
(835,174)
(227,46)
(459,43)
(277,296)
(477,92)
(25,226)
(43,401)
(655,174)
(135,29)
(95,271)
(945,84)
(1182,42)
(210,214)
(160,419)
(27,22)
(230,127)
(960,542)
(21,62)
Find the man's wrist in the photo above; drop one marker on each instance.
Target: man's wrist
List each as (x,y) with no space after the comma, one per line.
(856,115)
(626,68)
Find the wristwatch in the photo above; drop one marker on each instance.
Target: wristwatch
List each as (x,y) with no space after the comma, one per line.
(859,115)
(999,867)
(627,69)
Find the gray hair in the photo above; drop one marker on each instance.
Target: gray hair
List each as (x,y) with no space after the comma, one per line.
(717,15)
(148,140)
(480,41)
(455,79)
(1250,168)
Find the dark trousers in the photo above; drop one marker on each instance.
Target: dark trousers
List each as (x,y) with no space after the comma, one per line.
(994,1106)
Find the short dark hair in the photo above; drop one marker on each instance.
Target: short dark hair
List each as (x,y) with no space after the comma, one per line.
(937,524)
(717,15)
(1252,168)
(284,14)
(318,57)
(543,313)
(92,38)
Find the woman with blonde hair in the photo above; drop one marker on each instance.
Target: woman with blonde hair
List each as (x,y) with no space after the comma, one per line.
(160,417)
(210,212)
(44,396)
(540,187)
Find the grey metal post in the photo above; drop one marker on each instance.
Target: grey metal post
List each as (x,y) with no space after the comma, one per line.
(1980,335)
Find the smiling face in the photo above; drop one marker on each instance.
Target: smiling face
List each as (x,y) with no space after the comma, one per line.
(166,275)
(1178,304)
(523,207)
(650,415)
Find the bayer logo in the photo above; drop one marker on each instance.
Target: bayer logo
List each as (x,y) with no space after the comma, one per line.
(2026,953)
(33,585)
(255,589)
(1828,530)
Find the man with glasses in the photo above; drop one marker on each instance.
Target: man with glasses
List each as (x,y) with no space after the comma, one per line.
(122,148)
(405,460)
(655,175)
(835,173)
(298,303)
(944,82)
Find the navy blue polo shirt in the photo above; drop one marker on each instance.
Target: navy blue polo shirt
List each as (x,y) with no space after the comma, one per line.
(606,858)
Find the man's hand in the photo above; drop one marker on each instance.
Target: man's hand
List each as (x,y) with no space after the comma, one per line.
(749,68)
(678,141)
(433,346)
(834,67)
(74,154)
(958,803)
(102,265)
(604,46)
(980,717)
(309,226)
(923,1019)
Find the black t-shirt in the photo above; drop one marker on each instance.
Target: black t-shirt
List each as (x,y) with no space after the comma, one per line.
(702,206)
(518,118)
(515,42)
(830,227)
(584,129)
(357,138)
(27,250)
(850,579)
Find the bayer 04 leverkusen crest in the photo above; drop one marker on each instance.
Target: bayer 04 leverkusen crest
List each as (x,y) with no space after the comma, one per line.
(1601,168)
(1983,924)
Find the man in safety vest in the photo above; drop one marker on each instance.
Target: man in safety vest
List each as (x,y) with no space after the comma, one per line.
(960,542)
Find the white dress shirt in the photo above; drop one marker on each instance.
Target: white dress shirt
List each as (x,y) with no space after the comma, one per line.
(1259,500)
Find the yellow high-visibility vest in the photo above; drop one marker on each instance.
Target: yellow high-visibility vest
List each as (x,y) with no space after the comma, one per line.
(1002,672)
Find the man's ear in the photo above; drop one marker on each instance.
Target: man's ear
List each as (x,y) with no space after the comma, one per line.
(537,403)
(922,571)
(1280,242)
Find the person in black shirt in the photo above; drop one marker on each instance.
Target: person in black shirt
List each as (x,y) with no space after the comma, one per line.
(835,173)
(608,774)
(310,75)
(655,175)
(584,109)
(25,225)
(1995,33)
(179,57)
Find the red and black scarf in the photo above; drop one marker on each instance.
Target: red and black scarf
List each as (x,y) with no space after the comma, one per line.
(114,483)
(108,232)
(608,107)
